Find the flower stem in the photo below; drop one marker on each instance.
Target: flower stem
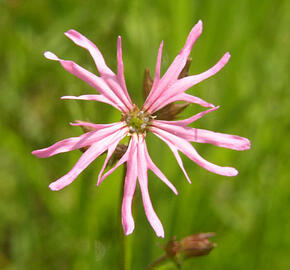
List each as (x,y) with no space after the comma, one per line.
(157,262)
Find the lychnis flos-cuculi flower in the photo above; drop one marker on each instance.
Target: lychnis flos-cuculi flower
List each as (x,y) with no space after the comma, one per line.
(137,122)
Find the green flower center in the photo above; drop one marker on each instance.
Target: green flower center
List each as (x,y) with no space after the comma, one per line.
(137,121)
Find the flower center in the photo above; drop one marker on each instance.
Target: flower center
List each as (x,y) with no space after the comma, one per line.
(137,120)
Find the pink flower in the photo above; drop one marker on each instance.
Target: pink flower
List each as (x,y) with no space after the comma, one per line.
(136,122)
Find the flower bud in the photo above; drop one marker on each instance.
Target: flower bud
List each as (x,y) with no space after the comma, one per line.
(189,246)
(118,153)
(147,83)
(85,130)
(196,245)
(172,247)
(170,111)
(184,72)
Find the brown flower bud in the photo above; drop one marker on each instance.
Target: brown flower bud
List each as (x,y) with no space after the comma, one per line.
(170,111)
(84,149)
(118,153)
(172,247)
(147,83)
(190,246)
(85,130)
(196,245)
(184,72)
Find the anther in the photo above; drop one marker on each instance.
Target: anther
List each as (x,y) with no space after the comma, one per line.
(128,118)
(131,129)
(146,119)
(137,121)
(140,113)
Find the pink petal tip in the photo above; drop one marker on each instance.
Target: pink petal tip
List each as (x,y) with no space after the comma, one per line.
(226,57)
(128,228)
(231,172)
(54,187)
(37,153)
(50,56)
(73,34)
(247,145)
(200,24)
(161,235)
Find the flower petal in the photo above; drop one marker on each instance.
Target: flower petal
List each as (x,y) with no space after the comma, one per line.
(143,181)
(157,171)
(123,159)
(205,136)
(179,62)
(82,41)
(120,67)
(189,81)
(180,97)
(106,73)
(98,83)
(158,67)
(111,150)
(189,120)
(220,139)
(174,150)
(94,126)
(186,148)
(85,160)
(175,68)
(181,85)
(129,188)
(99,98)
(73,143)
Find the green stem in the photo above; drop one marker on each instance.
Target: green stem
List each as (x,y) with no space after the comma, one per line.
(157,262)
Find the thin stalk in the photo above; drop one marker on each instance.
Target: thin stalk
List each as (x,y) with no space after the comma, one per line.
(157,262)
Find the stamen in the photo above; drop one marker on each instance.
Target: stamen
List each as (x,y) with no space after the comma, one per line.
(137,121)
(132,130)
(140,113)
(146,119)
(128,119)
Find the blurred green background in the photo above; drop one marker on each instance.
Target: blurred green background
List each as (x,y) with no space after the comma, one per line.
(77,228)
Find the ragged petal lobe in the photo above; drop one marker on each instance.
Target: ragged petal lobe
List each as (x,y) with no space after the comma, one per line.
(143,181)
(175,68)
(86,159)
(129,188)
(186,148)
